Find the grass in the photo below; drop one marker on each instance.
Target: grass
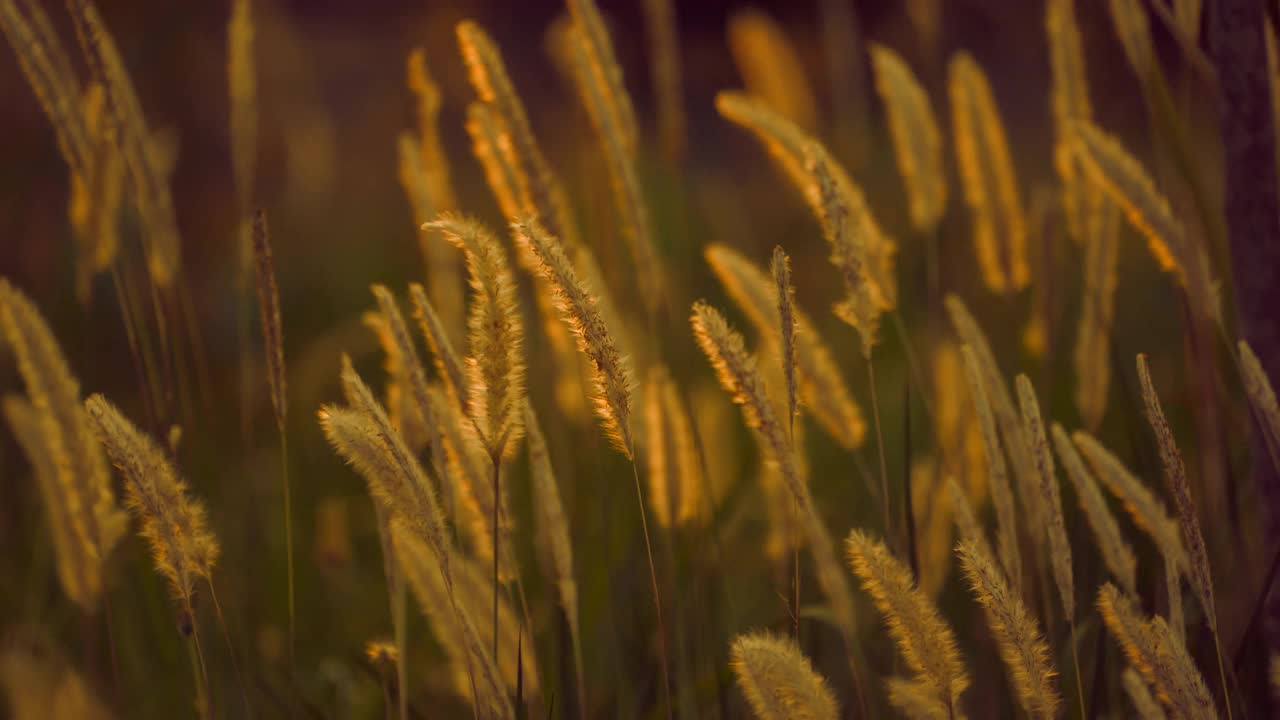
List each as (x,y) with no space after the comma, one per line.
(561,237)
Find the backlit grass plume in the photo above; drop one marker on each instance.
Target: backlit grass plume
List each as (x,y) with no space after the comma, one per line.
(39,683)
(675,475)
(771,67)
(796,154)
(924,639)
(495,364)
(83,132)
(1026,655)
(917,143)
(364,437)
(479,678)
(447,363)
(58,438)
(1069,102)
(779,681)
(1116,553)
(1175,474)
(1127,184)
(427,178)
(1157,655)
(1091,356)
(822,388)
(488,74)
(599,83)
(611,370)
(1140,695)
(662,31)
(172,521)
(1051,503)
(736,370)
(850,231)
(1001,492)
(148,179)
(1148,513)
(1017,443)
(1050,497)
(987,177)
(1176,481)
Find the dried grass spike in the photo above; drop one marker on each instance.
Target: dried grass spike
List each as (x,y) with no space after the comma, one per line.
(448,365)
(1140,695)
(924,639)
(779,682)
(1001,492)
(1050,498)
(173,523)
(1116,553)
(917,144)
(771,67)
(496,337)
(611,370)
(147,175)
(269,316)
(489,77)
(1026,656)
(81,480)
(1176,478)
(987,177)
(664,71)
(823,392)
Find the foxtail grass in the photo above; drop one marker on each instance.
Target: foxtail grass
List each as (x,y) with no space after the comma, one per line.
(925,641)
(1153,651)
(1022,647)
(273,347)
(58,438)
(822,389)
(611,379)
(771,68)
(1175,474)
(662,31)
(778,681)
(1116,553)
(599,82)
(1001,492)
(1051,500)
(183,548)
(917,143)
(988,178)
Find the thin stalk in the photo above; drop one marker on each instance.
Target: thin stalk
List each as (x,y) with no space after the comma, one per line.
(653,578)
(197,667)
(1075,661)
(497,464)
(235,663)
(288,545)
(1222,674)
(202,677)
(141,361)
(884,477)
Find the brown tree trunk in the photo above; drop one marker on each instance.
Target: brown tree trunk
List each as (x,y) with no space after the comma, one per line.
(1253,222)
